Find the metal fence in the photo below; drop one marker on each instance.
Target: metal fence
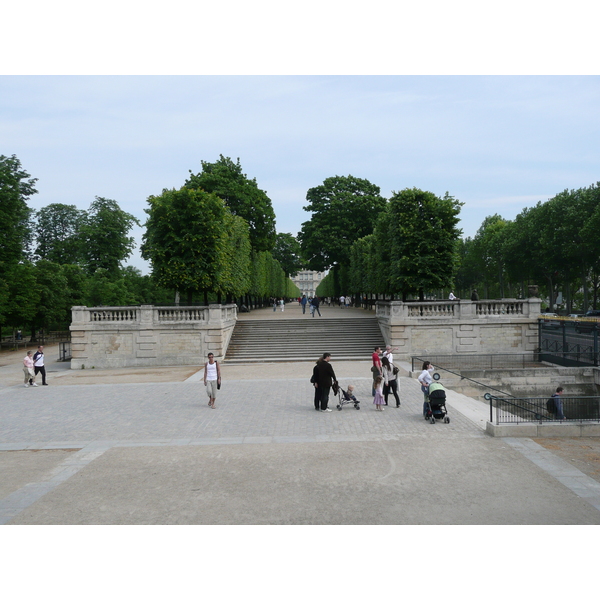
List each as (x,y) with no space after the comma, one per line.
(569,342)
(527,410)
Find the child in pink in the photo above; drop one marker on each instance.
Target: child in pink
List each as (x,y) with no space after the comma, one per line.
(378,400)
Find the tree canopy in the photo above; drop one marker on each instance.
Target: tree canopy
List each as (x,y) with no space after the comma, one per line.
(344,210)
(104,235)
(16,187)
(287,252)
(242,196)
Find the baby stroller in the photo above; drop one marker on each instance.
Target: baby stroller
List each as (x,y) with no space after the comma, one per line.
(436,403)
(346,398)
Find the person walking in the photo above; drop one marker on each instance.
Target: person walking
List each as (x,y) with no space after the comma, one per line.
(376,368)
(342,301)
(315,304)
(425,379)
(303,303)
(325,378)
(212,378)
(378,399)
(348,301)
(28,370)
(558,409)
(390,381)
(282,303)
(38,364)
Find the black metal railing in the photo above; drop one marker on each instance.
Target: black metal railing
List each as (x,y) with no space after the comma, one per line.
(64,351)
(569,342)
(527,410)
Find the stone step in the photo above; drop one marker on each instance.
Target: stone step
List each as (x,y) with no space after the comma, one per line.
(298,340)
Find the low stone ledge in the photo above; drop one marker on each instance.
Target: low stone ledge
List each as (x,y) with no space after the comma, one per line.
(543,430)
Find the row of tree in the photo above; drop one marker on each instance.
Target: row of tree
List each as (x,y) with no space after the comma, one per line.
(410,246)
(211,239)
(554,244)
(404,246)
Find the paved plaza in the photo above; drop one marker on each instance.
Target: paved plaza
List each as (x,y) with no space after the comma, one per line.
(142,447)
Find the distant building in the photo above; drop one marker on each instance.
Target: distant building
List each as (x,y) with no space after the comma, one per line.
(308,281)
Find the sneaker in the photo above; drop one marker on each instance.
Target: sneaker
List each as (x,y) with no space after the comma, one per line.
(34,385)
(26,385)
(326,410)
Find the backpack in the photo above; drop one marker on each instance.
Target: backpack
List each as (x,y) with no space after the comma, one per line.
(551,406)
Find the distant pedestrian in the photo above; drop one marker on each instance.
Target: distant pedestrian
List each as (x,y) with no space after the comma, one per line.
(474,296)
(282,304)
(378,399)
(212,378)
(274,300)
(342,301)
(38,364)
(315,306)
(303,303)
(389,352)
(28,370)
(390,381)
(558,409)
(425,378)
(348,301)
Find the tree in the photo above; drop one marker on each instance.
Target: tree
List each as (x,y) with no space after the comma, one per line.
(57,233)
(16,186)
(241,195)
(423,235)
(344,209)
(104,235)
(186,240)
(287,252)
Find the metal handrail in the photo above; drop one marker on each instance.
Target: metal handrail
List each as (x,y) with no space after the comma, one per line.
(574,408)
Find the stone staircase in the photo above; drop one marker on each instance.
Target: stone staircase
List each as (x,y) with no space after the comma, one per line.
(303,339)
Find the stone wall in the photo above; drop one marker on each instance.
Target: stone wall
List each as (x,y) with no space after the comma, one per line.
(460,326)
(145,336)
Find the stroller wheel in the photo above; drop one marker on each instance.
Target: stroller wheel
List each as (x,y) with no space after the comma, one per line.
(433,420)
(357,407)
(339,407)
(446,419)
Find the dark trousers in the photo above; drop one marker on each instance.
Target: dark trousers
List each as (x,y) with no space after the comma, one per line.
(324,396)
(41,370)
(393,386)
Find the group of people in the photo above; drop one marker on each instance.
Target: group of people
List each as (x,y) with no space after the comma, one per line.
(313,304)
(32,366)
(345,301)
(385,377)
(275,302)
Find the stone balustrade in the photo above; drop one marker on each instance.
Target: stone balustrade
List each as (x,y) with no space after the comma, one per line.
(132,336)
(460,326)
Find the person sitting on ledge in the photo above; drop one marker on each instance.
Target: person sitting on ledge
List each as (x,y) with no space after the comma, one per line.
(452,296)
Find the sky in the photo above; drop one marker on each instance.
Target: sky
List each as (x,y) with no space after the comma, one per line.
(496,143)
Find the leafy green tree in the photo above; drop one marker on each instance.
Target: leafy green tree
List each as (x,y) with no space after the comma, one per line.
(22,287)
(344,210)
(57,232)
(104,235)
(16,187)
(235,279)
(186,240)
(50,301)
(423,234)
(287,251)
(241,195)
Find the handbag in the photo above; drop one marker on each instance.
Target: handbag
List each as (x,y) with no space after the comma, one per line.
(395,370)
(335,387)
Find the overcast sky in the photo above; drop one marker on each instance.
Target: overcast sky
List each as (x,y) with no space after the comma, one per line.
(498,143)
